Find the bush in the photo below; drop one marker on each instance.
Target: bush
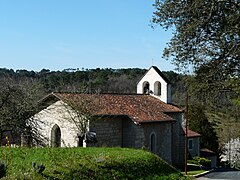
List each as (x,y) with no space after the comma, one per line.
(38,168)
(200,161)
(3,169)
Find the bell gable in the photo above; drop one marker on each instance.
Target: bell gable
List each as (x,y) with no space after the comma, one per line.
(155,83)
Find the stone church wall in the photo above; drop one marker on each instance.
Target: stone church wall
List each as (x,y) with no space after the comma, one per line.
(163,139)
(108,132)
(178,140)
(133,135)
(56,114)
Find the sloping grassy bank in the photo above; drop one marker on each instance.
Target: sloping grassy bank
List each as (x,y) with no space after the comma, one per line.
(85,163)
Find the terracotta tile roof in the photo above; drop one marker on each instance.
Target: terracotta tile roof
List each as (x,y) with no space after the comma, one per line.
(140,108)
(191,133)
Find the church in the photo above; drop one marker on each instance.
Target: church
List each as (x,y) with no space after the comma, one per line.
(146,120)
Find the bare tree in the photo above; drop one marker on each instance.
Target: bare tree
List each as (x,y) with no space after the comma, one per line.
(81,111)
(17,104)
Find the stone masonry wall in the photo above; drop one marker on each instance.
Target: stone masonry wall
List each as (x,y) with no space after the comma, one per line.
(178,140)
(133,135)
(56,114)
(108,132)
(163,137)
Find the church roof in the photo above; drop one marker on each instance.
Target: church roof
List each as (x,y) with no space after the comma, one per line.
(140,108)
(161,74)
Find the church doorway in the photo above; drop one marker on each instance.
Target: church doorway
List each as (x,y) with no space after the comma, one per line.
(56,136)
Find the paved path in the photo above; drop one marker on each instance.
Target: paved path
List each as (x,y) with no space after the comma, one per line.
(222,174)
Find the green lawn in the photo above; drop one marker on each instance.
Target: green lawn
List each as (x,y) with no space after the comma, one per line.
(85,163)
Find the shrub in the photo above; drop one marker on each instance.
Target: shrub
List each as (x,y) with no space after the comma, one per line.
(200,161)
(3,169)
(38,168)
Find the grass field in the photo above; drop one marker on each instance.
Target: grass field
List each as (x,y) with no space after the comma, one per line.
(85,163)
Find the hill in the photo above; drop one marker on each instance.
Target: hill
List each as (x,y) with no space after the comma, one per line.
(85,163)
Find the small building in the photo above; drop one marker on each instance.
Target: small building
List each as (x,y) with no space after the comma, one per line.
(208,154)
(193,142)
(195,149)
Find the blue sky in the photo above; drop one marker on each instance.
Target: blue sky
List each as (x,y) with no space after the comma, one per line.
(60,34)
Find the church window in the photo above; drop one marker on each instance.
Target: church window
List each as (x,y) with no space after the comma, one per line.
(157,88)
(153,143)
(56,136)
(146,87)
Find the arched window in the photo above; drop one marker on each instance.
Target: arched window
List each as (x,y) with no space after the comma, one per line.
(56,136)
(153,142)
(146,87)
(157,88)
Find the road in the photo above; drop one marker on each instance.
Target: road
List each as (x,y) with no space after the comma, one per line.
(222,174)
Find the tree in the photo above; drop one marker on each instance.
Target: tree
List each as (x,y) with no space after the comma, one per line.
(206,32)
(17,105)
(231,153)
(81,112)
(206,36)
(199,122)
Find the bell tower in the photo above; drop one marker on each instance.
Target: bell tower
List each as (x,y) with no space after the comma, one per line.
(155,83)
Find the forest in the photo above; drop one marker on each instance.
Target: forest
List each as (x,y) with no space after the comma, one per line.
(88,80)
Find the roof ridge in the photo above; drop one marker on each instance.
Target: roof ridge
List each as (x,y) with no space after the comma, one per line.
(100,93)
(159,72)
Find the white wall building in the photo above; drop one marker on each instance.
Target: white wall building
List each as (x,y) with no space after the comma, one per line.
(155,83)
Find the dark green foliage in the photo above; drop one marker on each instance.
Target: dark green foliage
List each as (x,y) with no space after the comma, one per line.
(90,163)
(75,80)
(38,168)
(3,169)
(198,122)
(206,39)
(206,32)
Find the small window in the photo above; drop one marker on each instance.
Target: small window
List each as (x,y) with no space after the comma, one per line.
(190,144)
(153,143)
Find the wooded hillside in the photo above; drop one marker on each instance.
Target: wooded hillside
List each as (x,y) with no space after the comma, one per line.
(90,80)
